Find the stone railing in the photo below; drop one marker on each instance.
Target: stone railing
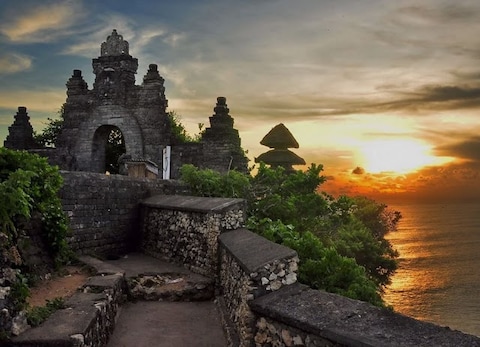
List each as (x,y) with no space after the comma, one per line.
(300,316)
(261,302)
(185,229)
(250,266)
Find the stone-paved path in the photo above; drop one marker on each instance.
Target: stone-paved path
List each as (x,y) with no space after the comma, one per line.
(168,324)
(162,323)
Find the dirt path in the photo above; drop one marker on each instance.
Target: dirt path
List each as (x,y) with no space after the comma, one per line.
(63,286)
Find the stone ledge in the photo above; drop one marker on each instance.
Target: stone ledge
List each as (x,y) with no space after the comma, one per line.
(57,330)
(192,203)
(101,267)
(350,322)
(253,251)
(89,317)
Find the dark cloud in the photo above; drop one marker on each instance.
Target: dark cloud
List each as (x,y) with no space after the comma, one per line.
(450,93)
(467,149)
(358,171)
(419,101)
(430,97)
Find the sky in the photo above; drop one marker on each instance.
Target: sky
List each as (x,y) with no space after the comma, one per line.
(384,94)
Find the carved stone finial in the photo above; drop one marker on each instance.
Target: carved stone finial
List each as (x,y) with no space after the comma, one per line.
(221,108)
(152,75)
(114,45)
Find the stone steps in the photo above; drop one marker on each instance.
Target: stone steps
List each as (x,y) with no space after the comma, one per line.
(92,311)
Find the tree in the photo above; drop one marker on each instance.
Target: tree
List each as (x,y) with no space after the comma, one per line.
(178,129)
(50,133)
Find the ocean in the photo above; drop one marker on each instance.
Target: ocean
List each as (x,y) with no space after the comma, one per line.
(438,279)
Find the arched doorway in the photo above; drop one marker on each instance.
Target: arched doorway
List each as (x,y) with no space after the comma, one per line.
(108,145)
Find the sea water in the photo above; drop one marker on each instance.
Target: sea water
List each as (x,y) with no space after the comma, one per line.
(438,279)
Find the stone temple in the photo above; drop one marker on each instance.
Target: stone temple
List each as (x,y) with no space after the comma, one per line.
(139,113)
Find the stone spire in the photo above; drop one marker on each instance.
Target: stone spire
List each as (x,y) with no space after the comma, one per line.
(153,92)
(76,87)
(20,133)
(222,142)
(221,119)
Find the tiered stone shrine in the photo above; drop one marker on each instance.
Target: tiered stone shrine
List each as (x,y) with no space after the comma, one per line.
(280,139)
(20,133)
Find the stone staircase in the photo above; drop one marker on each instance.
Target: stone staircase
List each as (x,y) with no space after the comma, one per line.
(91,313)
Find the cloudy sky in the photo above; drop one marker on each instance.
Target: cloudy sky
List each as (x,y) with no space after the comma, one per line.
(384,94)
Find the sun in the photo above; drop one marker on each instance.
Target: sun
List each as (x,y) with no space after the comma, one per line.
(399,156)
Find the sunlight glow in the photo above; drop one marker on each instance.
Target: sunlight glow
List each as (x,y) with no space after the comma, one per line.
(399,156)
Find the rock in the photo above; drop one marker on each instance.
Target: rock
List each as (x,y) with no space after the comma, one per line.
(78,340)
(19,323)
(290,278)
(4,291)
(287,338)
(297,341)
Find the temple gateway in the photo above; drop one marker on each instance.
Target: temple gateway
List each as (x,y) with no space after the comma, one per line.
(134,113)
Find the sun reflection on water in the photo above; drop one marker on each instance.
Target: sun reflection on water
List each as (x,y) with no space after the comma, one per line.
(437,276)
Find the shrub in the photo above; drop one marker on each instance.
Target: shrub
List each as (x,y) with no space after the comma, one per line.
(340,242)
(28,183)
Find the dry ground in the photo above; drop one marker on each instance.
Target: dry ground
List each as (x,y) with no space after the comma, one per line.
(63,284)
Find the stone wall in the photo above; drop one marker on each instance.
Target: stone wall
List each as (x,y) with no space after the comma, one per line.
(297,315)
(250,267)
(104,210)
(185,230)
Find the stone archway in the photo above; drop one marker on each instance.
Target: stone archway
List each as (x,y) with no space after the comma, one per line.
(107,146)
(92,137)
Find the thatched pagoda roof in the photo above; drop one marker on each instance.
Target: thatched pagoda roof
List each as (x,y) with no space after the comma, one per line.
(279,137)
(280,157)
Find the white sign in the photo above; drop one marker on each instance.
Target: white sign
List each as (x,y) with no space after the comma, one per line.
(166,162)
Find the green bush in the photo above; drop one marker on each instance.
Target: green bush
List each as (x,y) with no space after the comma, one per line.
(340,242)
(28,183)
(211,183)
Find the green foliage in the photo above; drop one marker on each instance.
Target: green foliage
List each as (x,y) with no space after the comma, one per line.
(356,241)
(340,242)
(37,315)
(211,183)
(337,274)
(178,129)
(28,183)
(50,133)
(19,292)
(320,267)
(378,218)
(14,200)
(291,198)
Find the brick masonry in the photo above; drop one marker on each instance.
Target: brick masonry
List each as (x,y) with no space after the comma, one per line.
(104,210)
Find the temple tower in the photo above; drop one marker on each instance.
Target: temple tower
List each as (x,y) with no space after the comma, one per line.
(115,105)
